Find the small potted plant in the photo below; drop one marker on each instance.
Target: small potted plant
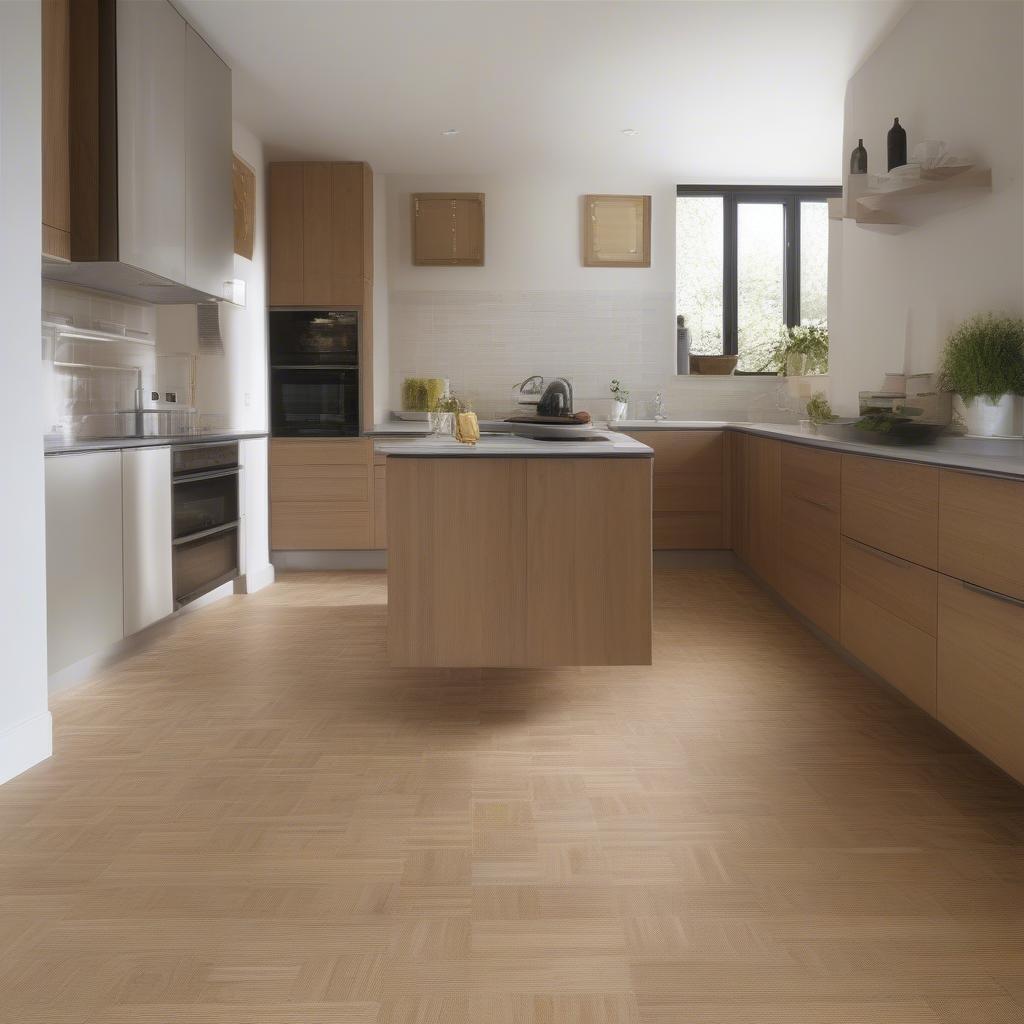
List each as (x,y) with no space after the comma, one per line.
(983,363)
(803,350)
(819,410)
(620,402)
(442,415)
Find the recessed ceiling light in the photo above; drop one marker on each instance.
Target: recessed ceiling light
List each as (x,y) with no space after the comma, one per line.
(630,131)
(450,131)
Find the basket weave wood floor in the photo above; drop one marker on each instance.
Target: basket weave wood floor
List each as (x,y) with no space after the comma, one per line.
(256,821)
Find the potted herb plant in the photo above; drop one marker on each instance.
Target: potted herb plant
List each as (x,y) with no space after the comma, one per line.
(442,415)
(803,350)
(620,402)
(983,363)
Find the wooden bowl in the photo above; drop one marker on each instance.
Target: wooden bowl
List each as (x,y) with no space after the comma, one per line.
(716,365)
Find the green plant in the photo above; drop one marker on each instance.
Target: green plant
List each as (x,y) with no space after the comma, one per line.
(985,356)
(619,393)
(420,394)
(449,403)
(819,409)
(810,340)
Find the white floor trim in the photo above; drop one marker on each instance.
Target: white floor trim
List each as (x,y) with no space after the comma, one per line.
(80,671)
(328,561)
(250,582)
(25,745)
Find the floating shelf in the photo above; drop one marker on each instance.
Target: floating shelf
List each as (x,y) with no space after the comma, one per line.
(884,207)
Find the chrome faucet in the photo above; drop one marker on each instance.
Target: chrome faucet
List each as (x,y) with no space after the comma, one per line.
(659,407)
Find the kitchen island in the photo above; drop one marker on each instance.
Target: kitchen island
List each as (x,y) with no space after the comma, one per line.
(519,553)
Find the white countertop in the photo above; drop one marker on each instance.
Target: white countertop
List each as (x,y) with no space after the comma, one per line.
(604,443)
(1000,457)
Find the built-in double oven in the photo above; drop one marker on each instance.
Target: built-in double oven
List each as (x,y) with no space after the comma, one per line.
(206,517)
(314,373)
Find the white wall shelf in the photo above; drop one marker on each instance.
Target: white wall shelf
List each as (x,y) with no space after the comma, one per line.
(890,207)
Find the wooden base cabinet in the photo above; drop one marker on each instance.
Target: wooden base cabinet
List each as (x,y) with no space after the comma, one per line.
(809,556)
(689,473)
(501,562)
(981,671)
(321,494)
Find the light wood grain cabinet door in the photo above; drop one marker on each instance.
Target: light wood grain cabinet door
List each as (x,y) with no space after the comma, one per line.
(809,566)
(764,490)
(893,506)
(286,241)
(448,229)
(981,531)
(980,676)
(56,18)
(380,506)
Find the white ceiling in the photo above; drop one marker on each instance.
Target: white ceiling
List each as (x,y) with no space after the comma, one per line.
(718,91)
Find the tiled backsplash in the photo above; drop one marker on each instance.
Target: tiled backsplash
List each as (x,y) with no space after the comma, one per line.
(484,342)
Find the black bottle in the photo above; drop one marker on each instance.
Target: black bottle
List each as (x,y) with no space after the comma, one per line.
(859,159)
(896,143)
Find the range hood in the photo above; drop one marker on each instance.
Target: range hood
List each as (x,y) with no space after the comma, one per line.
(149,133)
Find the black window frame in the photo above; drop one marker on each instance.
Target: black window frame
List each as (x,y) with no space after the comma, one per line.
(790,197)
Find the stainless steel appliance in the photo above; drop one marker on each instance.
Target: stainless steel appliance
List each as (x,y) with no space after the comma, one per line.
(314,373)
(206,518)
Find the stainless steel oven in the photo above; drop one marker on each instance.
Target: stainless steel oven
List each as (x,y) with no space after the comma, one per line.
(206,519)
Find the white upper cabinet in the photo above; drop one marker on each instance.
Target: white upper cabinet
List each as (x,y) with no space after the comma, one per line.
(151,137)
(209,225)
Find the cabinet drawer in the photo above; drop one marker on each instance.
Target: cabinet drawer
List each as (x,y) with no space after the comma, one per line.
(809,568)
(900,653)
(981,531)
(902,588)
(685,492)
(349,484)
(892,506)
(695,452)
(318,526)
(328,452)
(981,684)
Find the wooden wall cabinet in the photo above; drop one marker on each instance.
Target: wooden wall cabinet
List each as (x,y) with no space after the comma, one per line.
(448,229)
(321,494)
(809,557)
(616,231)
(689,485)
(321,234)
(56,28)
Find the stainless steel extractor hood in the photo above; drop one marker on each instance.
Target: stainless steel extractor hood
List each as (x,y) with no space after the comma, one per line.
(150,143)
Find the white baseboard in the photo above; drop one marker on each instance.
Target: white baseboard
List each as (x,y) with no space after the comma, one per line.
(250,582)
(25,745)
(328,561)
(81,671)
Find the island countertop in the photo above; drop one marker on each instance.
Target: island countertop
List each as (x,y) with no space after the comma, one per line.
(603,444)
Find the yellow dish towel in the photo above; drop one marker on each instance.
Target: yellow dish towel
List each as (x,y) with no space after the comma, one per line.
(467,428)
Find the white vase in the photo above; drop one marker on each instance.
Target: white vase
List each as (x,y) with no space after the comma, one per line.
(618,412)
(986,418)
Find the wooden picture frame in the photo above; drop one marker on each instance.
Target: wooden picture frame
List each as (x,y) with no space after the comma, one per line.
(616,231)
(447,229)
(243,192)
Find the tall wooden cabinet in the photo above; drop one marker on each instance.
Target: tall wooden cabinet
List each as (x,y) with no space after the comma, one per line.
(56,29)
(321,248)
(321,234)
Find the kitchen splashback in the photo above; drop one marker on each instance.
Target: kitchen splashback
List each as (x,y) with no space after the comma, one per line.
(485,342)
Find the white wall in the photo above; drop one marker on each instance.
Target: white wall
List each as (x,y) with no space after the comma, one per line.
(949,71)
(25,733)
(534,308)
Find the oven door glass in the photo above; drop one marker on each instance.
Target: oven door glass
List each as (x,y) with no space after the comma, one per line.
(205,502)
(304,337)
(314,403)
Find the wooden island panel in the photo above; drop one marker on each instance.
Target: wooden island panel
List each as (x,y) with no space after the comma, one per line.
(513,562)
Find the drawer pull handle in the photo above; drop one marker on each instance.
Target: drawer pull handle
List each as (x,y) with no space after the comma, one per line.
(816,504)
(902,563)
(994,594)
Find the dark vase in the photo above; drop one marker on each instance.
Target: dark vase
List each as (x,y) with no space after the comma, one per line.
(896,143)
(859,159)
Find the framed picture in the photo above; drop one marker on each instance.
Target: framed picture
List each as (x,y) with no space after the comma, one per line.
(616,231)
(243,187)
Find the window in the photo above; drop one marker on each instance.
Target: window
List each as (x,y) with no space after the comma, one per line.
(750,260)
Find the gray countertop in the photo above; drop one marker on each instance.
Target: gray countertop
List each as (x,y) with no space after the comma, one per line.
(995,456)
(399,428)
(53,446)
(604,443)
